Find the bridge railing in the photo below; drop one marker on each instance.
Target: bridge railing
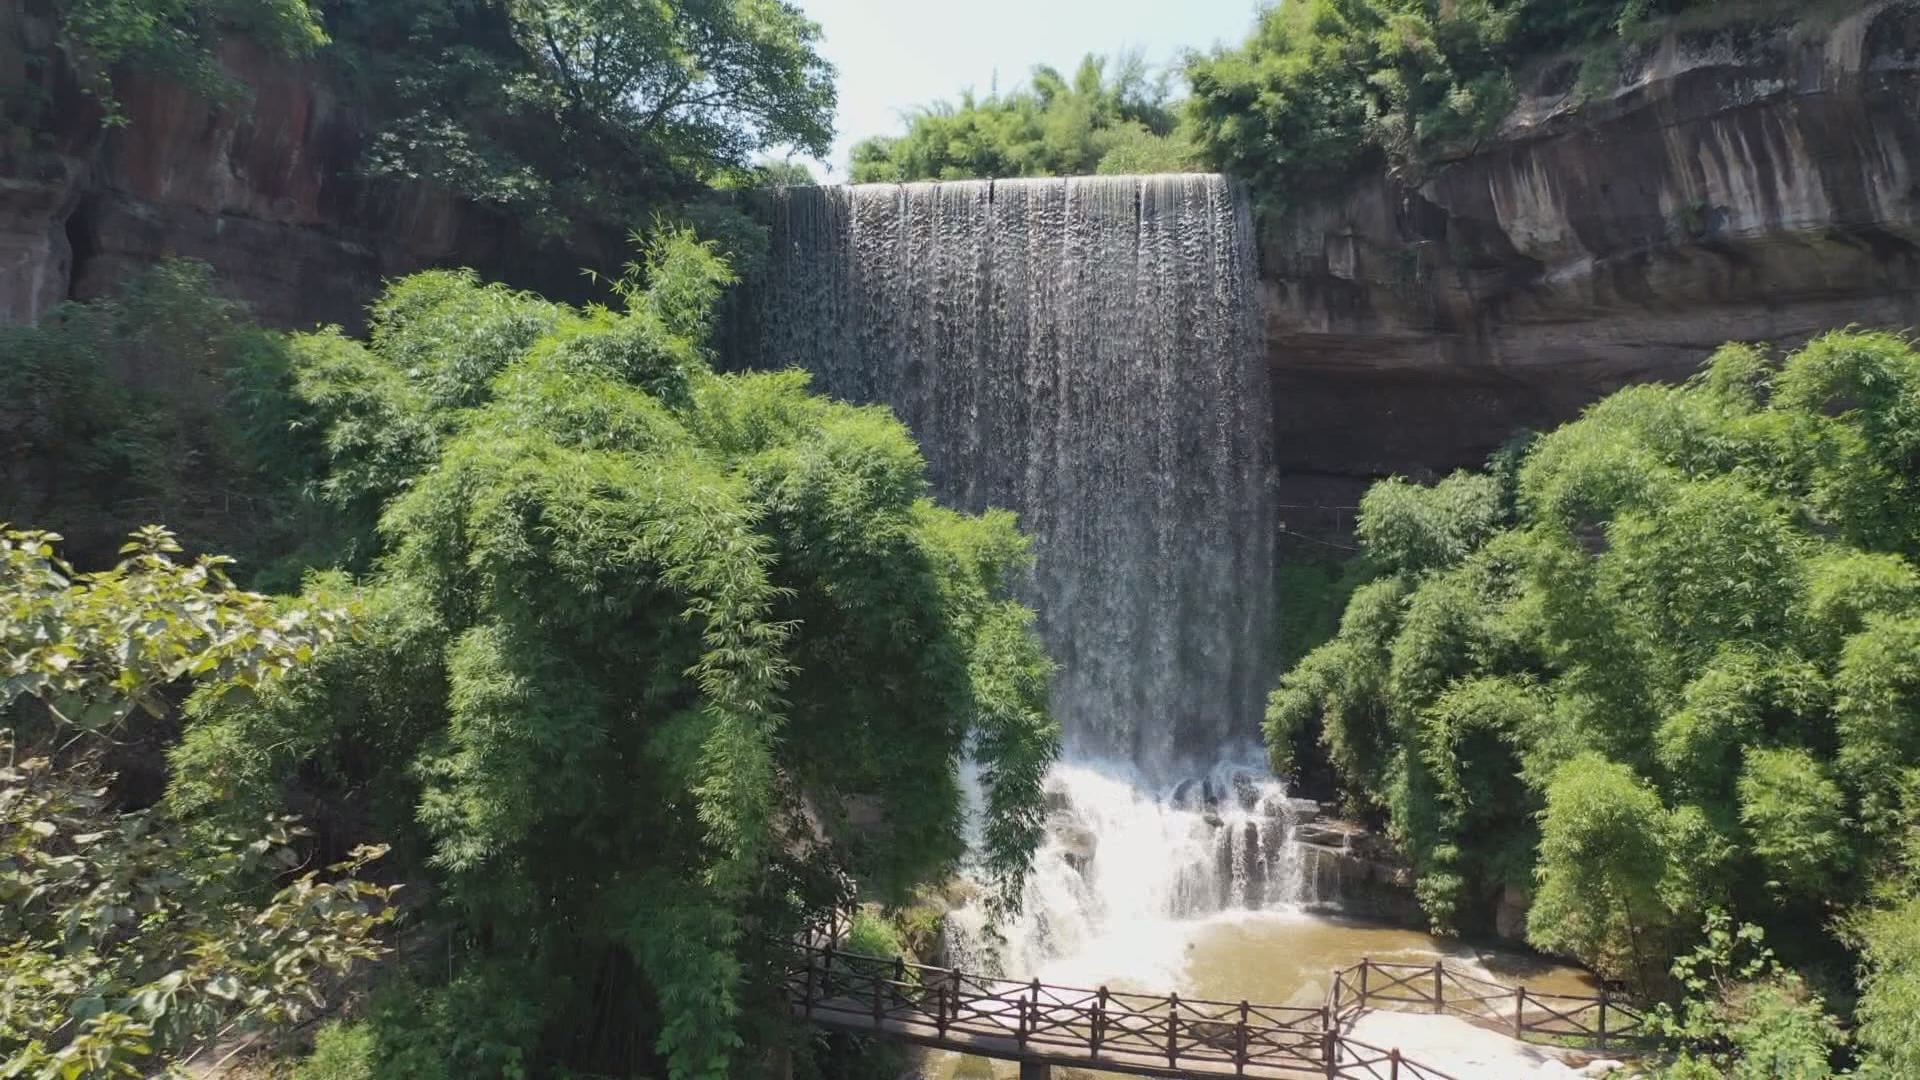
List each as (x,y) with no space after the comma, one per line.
(1598,1021)
(1114,1028)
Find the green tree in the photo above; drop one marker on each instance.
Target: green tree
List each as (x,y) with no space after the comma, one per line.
(1796,817)
(1321,88)
(131,942)
(1603,855)
(1111,117)
(175,38)
(1889,1009)
(1684,628)
(655,662)
(571,113)
(164,402)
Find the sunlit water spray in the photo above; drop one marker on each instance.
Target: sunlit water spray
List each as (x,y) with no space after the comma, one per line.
(1129,870)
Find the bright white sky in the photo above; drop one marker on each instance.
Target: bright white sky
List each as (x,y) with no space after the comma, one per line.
(894,55)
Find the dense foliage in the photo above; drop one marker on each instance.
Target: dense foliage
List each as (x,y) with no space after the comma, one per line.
(1322,87)
(1110,117)
(161,404)
(176,38)
(582,112)
(129,942)
(655,662)
(1669,665)
(566,115)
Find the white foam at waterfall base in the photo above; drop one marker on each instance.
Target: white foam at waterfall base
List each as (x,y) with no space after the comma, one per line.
(1129,872)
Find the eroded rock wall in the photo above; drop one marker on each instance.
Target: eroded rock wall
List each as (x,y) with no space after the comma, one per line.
(1748,184)
(1759,184)
(266,188)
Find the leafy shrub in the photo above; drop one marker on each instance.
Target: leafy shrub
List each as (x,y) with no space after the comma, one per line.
(1322,87)
(1744,1016)
(340,1052)
(1677,673)
(163,403)
(133,942)
(871,935)
(642,644)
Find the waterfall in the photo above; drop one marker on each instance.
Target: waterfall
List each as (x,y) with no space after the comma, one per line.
(1125,863)
(1087,353)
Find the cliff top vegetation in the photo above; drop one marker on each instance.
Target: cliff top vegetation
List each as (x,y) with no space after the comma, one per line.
(565,114)
(1318,90)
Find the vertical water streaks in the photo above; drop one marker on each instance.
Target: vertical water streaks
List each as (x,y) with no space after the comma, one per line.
(1087,353)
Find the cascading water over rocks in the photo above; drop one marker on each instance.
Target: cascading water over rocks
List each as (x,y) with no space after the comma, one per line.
(1085,352)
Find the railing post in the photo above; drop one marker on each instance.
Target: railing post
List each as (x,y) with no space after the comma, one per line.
(1330,1053)
(1021,1039)
(1240,1041)
(1173,1029)
(1519,1012)
(879,995)
(1393,1064)
(1099,1021)
(826,971)
(1366,965)
(940,1007)
(1603,1018)
(807,1003)
(900,980)
(1439,987)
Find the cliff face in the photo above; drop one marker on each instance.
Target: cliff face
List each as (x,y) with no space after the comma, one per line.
(264,188)
(1749,185)
(1752,184)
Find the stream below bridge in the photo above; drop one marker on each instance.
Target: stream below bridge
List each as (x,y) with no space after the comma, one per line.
(1270,957)
(1207,886)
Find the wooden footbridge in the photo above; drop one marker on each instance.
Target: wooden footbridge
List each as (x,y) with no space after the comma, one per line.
(1041,1026)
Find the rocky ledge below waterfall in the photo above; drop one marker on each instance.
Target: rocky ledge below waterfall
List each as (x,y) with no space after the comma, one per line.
(1254,847)
(1359,871)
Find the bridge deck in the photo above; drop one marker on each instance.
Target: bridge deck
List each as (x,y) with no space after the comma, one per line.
(1139,1034)
(847,1014)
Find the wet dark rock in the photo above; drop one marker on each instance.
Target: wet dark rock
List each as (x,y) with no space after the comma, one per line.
(1078,842)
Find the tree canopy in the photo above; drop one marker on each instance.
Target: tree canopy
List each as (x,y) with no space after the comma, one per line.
(176,38)
(1322,87)
(1668,666)
(655,661)
(1112,116)
(562,113)
(571,112)
(129,941)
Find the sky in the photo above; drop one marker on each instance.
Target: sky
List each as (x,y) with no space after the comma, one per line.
(894,55)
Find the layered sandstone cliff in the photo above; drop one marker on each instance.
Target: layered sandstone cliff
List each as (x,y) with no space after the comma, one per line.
(265,187)
(1758,184)
(1753,184)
